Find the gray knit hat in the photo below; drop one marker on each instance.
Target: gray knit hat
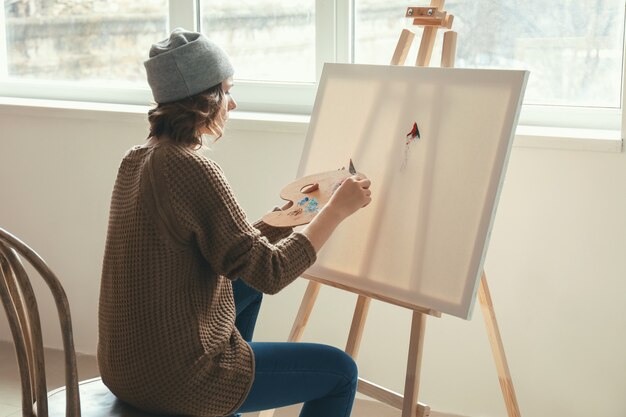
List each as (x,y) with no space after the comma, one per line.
(184,65)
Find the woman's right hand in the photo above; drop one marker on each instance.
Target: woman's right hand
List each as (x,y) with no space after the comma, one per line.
(353,194)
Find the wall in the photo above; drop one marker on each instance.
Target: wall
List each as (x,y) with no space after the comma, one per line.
(556,263)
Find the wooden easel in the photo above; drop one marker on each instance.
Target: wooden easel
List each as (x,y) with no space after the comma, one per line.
(431,18)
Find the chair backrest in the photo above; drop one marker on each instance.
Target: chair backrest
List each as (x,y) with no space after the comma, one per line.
(21,309)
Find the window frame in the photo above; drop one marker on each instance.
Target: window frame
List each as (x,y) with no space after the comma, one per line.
(3,46)
(623,86)
(333,44)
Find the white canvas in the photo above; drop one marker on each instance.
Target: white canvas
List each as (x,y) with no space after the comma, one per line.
(424,237)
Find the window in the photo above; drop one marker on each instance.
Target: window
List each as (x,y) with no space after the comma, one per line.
(81,41)
(573,49)
(268,40)
(94,49)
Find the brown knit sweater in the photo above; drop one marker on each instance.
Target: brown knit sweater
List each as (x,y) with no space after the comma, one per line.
(167,336)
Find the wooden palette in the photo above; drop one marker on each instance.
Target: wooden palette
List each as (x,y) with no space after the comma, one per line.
(307,198)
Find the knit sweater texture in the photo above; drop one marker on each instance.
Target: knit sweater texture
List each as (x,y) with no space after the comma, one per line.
(176,238)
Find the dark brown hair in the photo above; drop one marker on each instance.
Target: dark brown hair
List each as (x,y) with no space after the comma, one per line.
(182,120)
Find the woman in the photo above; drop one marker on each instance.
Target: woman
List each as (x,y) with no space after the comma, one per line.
(183,270)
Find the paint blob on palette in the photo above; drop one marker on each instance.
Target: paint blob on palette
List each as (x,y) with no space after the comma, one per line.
(310,205)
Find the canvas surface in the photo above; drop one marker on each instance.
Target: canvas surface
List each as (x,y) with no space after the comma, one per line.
(424,237)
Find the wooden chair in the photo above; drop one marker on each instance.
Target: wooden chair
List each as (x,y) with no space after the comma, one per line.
(89,398)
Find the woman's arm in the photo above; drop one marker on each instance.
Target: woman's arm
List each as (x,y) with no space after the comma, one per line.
(207,212)
(273,233)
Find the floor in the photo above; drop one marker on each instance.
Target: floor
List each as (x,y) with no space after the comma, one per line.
(10,397)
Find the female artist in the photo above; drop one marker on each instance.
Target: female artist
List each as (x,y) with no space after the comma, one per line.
(184,270)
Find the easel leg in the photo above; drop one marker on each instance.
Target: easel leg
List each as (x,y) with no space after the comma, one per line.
(428,39)
(426,47)
(402,48)
(504,376)
(306,306)
(414,364)
(308,300)
(358,323)
(448,52)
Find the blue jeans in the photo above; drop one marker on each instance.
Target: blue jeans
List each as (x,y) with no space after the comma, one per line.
(322,377)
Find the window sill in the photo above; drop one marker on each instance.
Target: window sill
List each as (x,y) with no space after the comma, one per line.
(568,139)
(82,110)
(594,140)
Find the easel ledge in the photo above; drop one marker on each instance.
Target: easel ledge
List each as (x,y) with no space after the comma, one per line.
(374,296)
